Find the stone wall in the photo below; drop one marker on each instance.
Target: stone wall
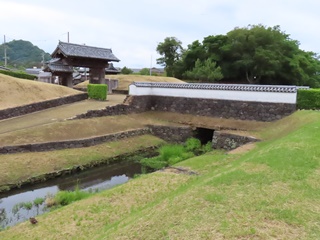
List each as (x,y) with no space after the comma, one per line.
(132,105)
(168,133)
(171,133)
(79,143)
(119,109)
(34,107)
(242,110)
(229,141)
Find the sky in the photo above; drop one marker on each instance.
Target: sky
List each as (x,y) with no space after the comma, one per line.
(133,29)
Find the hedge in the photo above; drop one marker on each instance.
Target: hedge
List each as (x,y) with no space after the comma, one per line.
(97,91)
(308,99)
(18,74)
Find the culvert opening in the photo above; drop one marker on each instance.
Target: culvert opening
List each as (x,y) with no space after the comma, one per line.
(204,135)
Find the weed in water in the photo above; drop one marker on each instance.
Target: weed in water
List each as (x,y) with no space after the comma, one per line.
(15,209)
(38,201)
(28,205)
(66,197)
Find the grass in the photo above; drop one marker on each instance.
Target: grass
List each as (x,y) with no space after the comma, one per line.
(16,92)
(126,80)
(270,192)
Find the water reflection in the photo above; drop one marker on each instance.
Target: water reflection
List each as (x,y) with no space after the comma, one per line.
(96,179)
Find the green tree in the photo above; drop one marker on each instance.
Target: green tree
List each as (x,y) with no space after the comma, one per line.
(267,55)
(126,70)
(170,50)
(144,71)
(206,71)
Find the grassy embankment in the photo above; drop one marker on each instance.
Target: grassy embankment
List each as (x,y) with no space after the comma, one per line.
(270,192)
(126,80)
(16,92)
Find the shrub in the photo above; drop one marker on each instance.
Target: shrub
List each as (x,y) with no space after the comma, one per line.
(207,147)
(97,91)
(193,144)
(154,163)
(171,151)
(308,99)
(172,154)
(18,74)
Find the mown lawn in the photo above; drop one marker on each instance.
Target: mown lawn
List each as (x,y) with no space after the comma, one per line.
(269,192)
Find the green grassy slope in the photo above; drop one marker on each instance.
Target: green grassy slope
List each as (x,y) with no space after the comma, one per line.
(270,192)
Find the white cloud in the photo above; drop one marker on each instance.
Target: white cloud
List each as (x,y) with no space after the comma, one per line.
(134,28)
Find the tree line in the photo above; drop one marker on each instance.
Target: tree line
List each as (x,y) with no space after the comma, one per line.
(255,54)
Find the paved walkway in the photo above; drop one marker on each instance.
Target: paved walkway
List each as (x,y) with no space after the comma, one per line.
(56,114)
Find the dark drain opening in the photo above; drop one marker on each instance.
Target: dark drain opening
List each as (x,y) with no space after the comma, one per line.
(204,135)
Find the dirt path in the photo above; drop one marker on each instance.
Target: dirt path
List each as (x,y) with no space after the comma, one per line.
(56,114)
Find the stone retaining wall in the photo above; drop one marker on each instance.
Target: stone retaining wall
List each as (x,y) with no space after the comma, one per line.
(168,133)
(172,134)
(34,107)
(119,109)
(50,146)
(132,105)
(229,141)
(242,110)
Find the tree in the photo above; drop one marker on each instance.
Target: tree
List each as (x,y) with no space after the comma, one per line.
(206,71)
(126,70)
(144,71)
(170,50)
(267,55)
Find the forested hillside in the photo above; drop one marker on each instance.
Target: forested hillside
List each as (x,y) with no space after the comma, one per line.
(23,54)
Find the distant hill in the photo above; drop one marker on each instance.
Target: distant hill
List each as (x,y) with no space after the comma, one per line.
(23,54)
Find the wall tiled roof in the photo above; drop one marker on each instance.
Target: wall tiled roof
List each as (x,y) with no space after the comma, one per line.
(229,87)
(77,50)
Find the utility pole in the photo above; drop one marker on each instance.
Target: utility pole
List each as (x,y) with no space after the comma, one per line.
(5,51)
(151,65)
(68,37)
(42,60)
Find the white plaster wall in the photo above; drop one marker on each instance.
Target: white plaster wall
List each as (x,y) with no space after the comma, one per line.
(252,96)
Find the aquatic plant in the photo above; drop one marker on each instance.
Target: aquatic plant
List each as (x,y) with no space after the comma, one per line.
(38,201)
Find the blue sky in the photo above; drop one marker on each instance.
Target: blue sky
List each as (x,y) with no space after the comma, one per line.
(133,29)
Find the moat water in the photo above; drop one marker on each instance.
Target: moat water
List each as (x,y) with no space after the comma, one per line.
(13,207)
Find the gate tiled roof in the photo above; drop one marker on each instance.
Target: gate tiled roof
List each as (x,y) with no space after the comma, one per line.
(84,51)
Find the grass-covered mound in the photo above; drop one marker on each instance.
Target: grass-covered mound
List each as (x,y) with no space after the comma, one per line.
(269,192)
(17,92)
(126,80)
